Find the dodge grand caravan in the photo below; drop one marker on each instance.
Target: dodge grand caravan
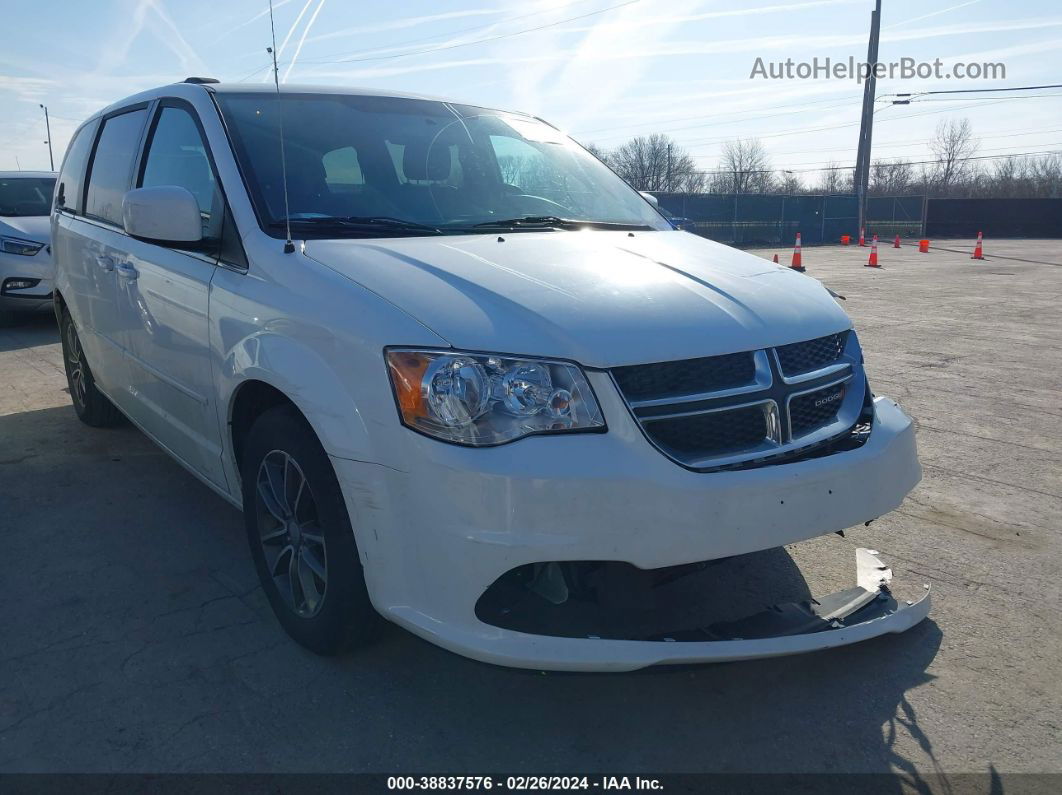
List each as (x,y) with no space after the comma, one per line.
(456,373)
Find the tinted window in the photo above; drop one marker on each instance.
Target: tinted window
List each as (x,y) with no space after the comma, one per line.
(71,178)
(26,195)
(112,165)
(433,163)
(177,155)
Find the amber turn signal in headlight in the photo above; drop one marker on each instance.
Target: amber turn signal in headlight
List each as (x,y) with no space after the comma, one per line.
(484,399)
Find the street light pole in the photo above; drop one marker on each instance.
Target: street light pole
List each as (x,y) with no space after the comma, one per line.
(48,127)
(866,127)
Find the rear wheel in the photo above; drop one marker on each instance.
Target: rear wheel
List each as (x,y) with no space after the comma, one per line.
(92,406)
(301,537)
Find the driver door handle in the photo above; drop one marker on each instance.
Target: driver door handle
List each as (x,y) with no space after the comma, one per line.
(126,270)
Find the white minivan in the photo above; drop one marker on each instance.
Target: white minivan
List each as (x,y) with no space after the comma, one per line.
(458,374)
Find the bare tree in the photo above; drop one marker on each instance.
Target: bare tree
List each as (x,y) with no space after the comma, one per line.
(744,167)
(835,179)
(892,178)
(656,162)
(789,183)
(953,145)
(597,151)
(1045,174)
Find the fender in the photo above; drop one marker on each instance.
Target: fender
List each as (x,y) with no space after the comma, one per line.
(304,377)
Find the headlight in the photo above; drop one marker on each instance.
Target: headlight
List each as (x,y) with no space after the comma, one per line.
(482,399)
(12,245)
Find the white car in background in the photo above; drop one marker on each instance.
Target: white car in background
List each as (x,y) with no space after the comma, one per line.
(484,389)
(27,273)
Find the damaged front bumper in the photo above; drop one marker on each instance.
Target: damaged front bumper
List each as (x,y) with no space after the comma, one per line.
(864,611)
(439,533)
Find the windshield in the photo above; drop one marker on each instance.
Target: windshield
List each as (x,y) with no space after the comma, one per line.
(389,166)
(26,195)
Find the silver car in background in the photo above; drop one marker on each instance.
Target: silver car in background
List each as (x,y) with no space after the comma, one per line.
(27,272)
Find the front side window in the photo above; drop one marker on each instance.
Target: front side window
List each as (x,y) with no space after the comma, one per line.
(20,196)
(71,178)
(112,165)
(366,166)
(177,155)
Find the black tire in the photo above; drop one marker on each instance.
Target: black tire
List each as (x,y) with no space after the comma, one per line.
(293,543)
(92,406)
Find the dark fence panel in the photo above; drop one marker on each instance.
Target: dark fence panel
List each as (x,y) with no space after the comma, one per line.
(750,219)
(994,217)
(840,217)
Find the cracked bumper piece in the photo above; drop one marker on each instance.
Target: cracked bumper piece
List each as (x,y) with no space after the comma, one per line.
(859,613)
(442,525)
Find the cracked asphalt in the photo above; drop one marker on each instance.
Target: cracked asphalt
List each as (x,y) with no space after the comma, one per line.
(133,636)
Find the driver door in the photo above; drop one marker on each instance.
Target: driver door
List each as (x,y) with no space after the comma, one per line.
(165,291)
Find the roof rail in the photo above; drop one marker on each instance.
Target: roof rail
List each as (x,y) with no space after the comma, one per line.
(200,80)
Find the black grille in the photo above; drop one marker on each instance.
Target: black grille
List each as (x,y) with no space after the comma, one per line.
(686,377)
(815,409)
(803,357)
(711,434)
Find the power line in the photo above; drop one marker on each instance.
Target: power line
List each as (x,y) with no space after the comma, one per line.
(915,142)
(850,168)
(846,103)
(974,90)
(919,100)
(712,116)
(800,131)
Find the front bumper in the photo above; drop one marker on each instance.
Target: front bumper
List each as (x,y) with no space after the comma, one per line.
(38,267)
(434,538)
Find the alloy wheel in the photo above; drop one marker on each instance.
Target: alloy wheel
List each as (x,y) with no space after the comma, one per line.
(290,534)
(75,363)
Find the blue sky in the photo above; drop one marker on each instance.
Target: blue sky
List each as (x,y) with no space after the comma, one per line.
(603,70)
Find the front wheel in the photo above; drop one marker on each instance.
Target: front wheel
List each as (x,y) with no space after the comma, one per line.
(92,406)
(301,537)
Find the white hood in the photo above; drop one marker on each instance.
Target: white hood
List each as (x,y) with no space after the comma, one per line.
(27,227)
(600,298)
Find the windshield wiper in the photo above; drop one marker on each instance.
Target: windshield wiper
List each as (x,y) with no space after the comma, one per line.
(360,223)
(555,222)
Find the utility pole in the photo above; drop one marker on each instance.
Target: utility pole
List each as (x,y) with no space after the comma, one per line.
(48,127)
(866,127)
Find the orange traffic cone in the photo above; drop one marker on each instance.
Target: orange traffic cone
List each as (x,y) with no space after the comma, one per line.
(776,259)
(862,237)
(873,261)
(923,246)
(896,242)
(797,265)
(979,252)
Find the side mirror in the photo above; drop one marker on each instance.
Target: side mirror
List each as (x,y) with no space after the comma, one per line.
(167,214)
(650,198)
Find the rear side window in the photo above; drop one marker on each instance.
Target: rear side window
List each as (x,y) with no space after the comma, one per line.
(71,179)
(177,155)
(112,165)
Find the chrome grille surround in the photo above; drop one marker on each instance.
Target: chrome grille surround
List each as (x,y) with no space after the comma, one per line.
(800,410)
